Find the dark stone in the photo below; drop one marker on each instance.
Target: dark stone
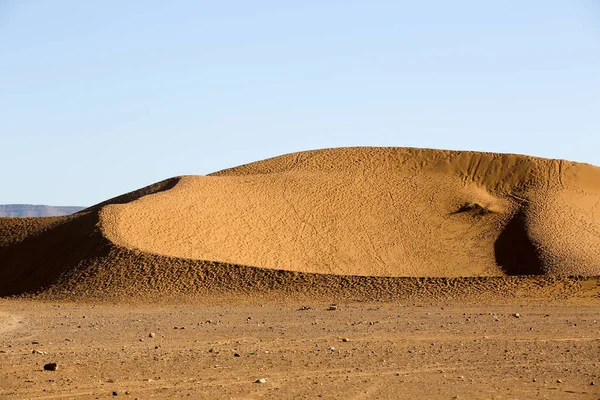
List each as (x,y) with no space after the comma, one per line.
(51,367)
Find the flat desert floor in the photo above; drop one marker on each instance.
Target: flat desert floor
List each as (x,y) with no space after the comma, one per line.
(360,350)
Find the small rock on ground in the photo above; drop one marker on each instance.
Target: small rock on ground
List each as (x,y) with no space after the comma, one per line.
(51,367)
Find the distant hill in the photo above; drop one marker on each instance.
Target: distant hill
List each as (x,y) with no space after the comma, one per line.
(30,210)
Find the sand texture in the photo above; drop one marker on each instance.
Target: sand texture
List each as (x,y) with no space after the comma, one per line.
(373,223)
(220,351)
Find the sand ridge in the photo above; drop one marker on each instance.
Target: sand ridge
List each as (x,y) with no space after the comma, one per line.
(377,211)
(360,223)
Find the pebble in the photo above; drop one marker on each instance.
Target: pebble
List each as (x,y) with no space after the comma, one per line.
(261,380)
(51,367)
(38,352)
(345,340)
(593,384)
(304,308)
(558,381)
(332,308)
(152,334)
(517,315)
(115,393)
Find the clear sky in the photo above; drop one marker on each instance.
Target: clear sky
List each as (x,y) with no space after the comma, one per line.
(98,98)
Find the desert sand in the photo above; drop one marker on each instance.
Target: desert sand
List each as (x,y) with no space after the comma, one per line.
(350,221)
(431,256)
(393,351)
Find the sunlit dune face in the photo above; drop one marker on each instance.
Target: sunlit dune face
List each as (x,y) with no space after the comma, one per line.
(359,225)
(367,220)
(564,222)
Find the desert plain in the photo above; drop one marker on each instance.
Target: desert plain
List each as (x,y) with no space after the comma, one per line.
(392,351)
(339,273)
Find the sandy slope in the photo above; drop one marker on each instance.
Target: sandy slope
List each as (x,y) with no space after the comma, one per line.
(369,223)
(378,211)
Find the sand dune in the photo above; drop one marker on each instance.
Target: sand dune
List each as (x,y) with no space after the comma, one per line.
(353,219)
(385,212)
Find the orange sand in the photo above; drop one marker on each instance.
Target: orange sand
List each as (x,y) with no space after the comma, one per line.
(384,212)
(334,219)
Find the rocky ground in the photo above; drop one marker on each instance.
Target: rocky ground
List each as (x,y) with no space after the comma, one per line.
(354,351)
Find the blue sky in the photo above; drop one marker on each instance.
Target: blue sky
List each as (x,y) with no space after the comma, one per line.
(98,98)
